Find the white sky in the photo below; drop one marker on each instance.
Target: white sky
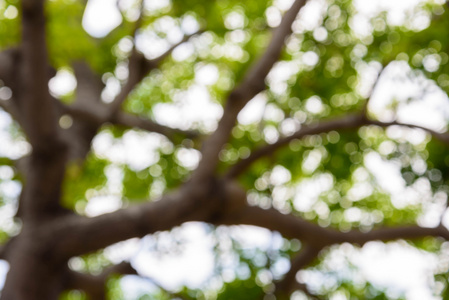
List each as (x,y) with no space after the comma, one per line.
(385,265)
(101,16)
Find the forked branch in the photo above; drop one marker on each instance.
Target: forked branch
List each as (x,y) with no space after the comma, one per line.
(139,67)
(78,235)
(252,84)
(98,117)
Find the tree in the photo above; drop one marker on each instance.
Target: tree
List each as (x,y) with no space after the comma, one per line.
(319,122)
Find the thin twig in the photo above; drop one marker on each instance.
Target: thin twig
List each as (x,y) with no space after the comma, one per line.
(347,122)
(139,67)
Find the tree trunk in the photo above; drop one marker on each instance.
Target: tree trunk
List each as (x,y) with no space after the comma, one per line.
(33,273)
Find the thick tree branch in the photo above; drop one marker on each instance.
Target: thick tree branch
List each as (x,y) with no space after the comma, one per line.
(252,84)
(37,116)
(78,235)
(8,64)
(10,68)
(42,188)
(191,202)
(39,119)
(89,85)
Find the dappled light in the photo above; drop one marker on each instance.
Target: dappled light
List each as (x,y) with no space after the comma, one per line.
(215,150)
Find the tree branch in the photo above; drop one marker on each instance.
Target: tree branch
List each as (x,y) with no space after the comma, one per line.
(88,107)
(316,237)
(89,85)
(289,226)
(95,285)
(442,137)
(172,134)
(74,235)
(139,67)
(39,119)
(288,284)
(8,64)
(393,233)
(78,235)
(252,84)
(97,116)
(3,251)
(41,193)
(347,122)
(295,227)
(373,88)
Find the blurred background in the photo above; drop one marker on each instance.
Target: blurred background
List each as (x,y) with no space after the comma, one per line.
(340,54)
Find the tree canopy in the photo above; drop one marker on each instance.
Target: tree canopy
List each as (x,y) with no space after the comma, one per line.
(322,121)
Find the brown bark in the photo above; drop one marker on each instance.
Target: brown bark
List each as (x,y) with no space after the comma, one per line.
(95,285)
(289,283)
(252,84)
(51,235)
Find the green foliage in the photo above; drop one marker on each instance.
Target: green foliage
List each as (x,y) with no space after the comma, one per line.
(9,24)
(437,162)
(73,295)
(69,41)
(82,178)
(113,288)
(136,184)
(325,71)
(241,290)
(442,280)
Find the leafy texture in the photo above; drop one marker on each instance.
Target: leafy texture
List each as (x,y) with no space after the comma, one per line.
(321,121)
